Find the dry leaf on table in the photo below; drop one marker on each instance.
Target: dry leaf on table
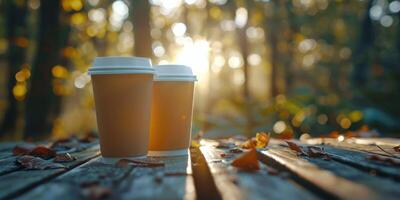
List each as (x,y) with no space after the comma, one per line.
(30,162)
(262,139)
(43,152)
(293,146)
(64,157)
(396,148)
(249,144)
(235,150)
(317,152)
(384,160)
(139,163)
(23,149)
(247,162)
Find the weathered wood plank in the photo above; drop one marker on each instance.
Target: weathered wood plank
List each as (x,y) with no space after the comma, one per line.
(174,181)
(359,160)
(384,187)
(170,182)
(17,182)
(318,179)
(351,144)
(69,185)
(234,184)
(378,141)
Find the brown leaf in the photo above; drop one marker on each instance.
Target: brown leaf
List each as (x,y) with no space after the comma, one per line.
(23,149)
(140,163)
(247,162)
(68,145)
(95,191)
(249,144)
(224,155)
(235,150)
(64,157)
(384,160)
(262,139)
(293,146)
(396,148)
(43,152)
(317,152)
(30,162)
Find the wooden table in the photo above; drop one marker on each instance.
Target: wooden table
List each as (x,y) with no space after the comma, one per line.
(205,174)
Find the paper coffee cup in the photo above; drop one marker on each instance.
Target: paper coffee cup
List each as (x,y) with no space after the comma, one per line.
(122,88)
(172,107)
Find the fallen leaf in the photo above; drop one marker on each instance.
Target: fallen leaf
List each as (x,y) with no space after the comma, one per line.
(95,191)
(248,161)
(384,160)
(43,152)
(195,144)
(68,145)
(235,150)
(31,162)
(262,139)
(23,149)
(249,144)
(224,155)
(140,163)
(293,146)
(317,152)
(396,148)
(64,157)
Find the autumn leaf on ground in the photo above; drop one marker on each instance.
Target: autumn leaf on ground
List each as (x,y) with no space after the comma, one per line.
(396,148)
(249,144)
(384,160)
(262,139)
(247,162)
(235,150)
(64,157)
(225,155)
(43,152)
(140,163)
(195,144)
(317,152)
(30,162)
(23,149)
(293,146)
(95,191)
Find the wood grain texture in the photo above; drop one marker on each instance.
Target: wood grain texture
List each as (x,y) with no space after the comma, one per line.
(353,145)
(323,180)
(17,182)
(173,181)
(234,184)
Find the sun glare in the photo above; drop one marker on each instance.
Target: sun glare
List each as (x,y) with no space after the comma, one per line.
(195,54)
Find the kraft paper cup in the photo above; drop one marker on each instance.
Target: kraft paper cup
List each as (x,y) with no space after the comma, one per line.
(122,88)
(172,107)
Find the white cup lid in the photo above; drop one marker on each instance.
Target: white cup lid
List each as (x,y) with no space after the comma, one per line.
(121,65)
(174,73)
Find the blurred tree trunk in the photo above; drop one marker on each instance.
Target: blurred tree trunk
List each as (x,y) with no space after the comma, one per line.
(16,35)
(141,24)
(271,32)
(293,29)
(41,98)
(364,45)
(244,49)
